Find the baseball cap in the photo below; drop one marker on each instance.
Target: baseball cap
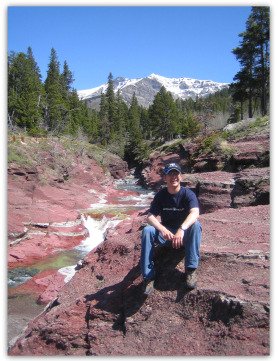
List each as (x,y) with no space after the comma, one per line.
(171,166)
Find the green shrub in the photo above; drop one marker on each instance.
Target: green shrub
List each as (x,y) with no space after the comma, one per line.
(14,156)
(259,123)
(210,143)
(37,132)
(215,142)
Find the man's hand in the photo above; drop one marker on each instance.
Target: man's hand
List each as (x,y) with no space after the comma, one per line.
(166,234)
(177,241)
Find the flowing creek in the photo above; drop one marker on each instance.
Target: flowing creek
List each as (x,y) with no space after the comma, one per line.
(100,217)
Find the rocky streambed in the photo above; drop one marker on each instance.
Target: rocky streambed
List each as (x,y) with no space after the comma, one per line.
(52,228)
(37,280)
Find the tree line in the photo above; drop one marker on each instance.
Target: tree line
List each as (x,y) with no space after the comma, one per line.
(41,107)
(130,130)
(251,83)
(53,107)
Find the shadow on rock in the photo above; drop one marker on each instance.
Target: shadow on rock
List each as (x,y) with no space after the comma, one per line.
(122,300)
(170,271)
(119,301)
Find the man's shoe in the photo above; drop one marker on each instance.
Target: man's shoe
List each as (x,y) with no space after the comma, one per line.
(148,287)
(191,279)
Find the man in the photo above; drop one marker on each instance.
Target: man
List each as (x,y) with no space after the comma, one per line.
(178,209)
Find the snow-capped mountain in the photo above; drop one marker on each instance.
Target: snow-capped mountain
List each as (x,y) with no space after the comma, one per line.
(145,89)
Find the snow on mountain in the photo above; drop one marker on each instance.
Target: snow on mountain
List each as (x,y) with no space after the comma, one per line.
(119,84)
(145,89)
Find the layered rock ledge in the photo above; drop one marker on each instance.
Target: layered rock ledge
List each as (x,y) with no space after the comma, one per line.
(102,310)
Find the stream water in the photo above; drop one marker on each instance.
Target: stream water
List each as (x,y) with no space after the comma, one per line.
(21,307)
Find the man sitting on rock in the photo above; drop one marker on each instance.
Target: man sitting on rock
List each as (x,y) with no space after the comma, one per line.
(178,209)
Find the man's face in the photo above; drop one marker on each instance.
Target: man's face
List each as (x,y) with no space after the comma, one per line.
(173,178)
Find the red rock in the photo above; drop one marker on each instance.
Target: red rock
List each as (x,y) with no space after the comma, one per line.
(102,311)
(152,173)
(45,285)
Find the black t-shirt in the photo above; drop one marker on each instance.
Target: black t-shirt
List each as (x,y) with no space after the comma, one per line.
(173,208)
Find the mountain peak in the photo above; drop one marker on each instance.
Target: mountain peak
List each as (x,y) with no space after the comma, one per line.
(146,88)
(153,75)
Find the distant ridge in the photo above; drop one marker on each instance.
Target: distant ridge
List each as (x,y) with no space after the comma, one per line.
(146,88)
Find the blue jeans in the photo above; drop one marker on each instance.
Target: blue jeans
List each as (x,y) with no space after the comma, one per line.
(151,238)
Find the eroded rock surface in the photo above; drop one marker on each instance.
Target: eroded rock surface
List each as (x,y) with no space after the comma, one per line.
(102,310)
(219,189)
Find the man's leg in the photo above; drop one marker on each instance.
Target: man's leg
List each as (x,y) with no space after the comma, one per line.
(192,239)
(150,238)
(149,235)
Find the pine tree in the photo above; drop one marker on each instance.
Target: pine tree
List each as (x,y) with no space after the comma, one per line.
(67,78)
(113,119)
(118,127)
(93,130)
(25,91)
(74,115)
(83,120)
(245,82)
(252,81)
(136,148)
(121,116)
(111,106)
(145,123)
(239,96)
(33,63)
(104,130)
(190,125)
(164,115)
(56,109)
(134,120)
(38,95)
(259,26)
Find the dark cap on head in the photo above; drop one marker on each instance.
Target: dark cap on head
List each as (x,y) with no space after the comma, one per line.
(171,166)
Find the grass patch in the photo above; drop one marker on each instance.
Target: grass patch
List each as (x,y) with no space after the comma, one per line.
(259,123)
(217,142)
(214,143)
(15,157)
(57,155)
(257,126)
(20,156)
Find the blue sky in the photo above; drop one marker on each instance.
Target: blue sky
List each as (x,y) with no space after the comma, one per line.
(172,41)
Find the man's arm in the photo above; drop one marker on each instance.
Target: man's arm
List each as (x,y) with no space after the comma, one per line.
(153,221)
(190,219)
